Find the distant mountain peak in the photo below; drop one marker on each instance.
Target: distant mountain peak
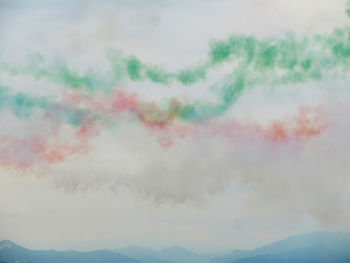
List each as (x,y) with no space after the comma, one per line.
(326,242)
(7,243)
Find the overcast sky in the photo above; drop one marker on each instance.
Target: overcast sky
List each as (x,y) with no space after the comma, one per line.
(202,193)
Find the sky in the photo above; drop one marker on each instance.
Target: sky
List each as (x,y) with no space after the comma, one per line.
(213,125)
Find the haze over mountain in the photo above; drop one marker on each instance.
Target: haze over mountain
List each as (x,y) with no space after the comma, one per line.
(143,254)
(173,254)
(312,247)
(10,252)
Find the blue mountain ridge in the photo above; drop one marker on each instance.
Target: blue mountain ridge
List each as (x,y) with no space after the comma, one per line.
(307,248)
(317,247)
(13,253)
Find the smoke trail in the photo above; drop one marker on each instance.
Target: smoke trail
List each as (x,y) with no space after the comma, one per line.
(272,62)
(297,58)
(296,163)
(347,11)
(86,116)
(277,173)
(96,102)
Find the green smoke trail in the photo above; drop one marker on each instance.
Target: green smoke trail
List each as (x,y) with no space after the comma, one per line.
(277,62)
(59,73)
(298,56)
(274,61)
(25,106)
(347,11)
(21,104)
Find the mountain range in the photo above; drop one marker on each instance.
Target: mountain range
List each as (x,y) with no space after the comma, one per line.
(307,248)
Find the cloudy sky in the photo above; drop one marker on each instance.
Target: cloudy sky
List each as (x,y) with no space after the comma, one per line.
(93,156)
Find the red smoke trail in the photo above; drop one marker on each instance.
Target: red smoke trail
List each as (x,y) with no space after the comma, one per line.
(163,124)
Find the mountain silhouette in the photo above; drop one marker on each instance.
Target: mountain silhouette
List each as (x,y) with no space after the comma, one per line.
(307,248)
(314,247)
(10,252)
